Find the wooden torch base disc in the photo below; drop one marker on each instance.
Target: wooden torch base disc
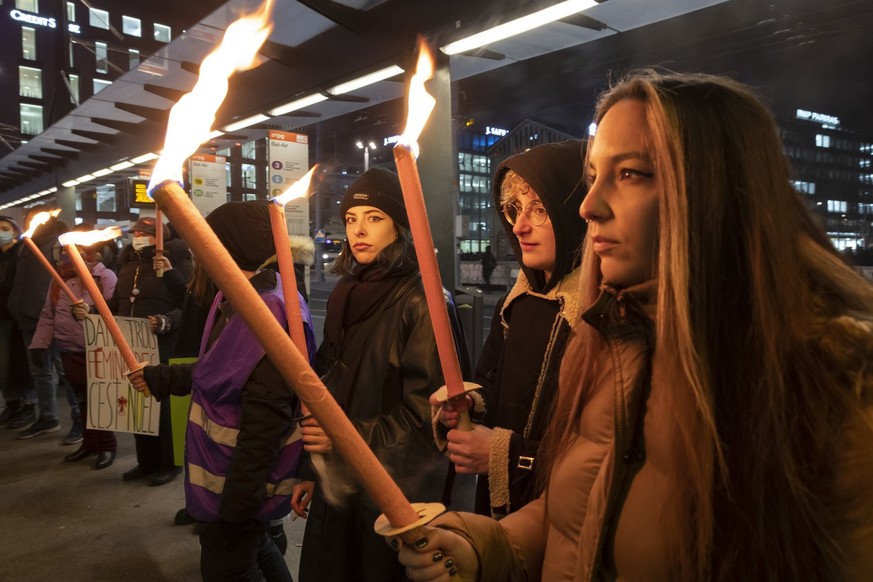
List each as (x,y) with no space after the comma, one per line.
(442,394)
(426,512)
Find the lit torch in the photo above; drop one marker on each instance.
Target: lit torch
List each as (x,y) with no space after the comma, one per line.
(243,38)
(405,153)
(285,258)
(69,240)
(38,220)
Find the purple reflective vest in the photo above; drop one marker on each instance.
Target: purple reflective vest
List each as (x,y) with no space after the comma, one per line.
(214,418)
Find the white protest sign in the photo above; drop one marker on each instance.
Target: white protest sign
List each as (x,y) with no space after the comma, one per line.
(112,402)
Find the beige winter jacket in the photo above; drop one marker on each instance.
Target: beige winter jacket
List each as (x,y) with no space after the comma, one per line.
(604,514)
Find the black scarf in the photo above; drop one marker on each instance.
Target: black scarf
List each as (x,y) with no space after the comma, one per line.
(357,296)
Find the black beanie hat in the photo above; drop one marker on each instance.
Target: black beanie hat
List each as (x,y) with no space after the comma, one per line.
(244,230)
(379,188)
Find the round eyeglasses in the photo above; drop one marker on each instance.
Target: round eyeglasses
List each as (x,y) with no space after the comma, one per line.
(534,211)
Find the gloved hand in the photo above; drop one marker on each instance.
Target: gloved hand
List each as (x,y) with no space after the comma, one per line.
(37,356)
(160,324)
(80,310)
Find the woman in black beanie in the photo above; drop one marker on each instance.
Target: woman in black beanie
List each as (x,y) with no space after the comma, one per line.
(379,360)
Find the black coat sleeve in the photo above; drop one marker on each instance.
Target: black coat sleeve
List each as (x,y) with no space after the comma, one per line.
(169,379)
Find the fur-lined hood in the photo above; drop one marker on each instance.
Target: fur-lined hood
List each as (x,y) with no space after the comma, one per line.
(302,249)
(566,293)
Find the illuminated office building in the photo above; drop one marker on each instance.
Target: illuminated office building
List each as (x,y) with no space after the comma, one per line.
(833,169)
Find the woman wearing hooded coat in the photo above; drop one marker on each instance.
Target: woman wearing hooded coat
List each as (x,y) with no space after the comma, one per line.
(242,442)
(538,193)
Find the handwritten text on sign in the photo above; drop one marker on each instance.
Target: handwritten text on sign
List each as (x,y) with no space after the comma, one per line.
(113,404)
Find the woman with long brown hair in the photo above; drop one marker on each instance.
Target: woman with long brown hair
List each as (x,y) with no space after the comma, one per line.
(715,416)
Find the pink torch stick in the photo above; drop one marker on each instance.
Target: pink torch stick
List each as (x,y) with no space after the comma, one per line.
(420,106)
(190,121)
(159,239)
(286,259)
(291,363)
(69,241)
(38,220)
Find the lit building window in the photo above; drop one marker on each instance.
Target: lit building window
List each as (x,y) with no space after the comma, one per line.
(134,58)
(98,18)
(837,206)
(249,178)
(30,82)
(70,53)
(131,26)
(162,33)
(31,119)
(28,43)
(101,54)
(480,184)
(106,198)
(74,88)
(804,187)
(100,84)
(465,162)
(27,5)
(822,141)
(248,150)
(71,11)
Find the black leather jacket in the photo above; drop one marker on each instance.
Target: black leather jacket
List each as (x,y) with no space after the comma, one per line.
(384,387)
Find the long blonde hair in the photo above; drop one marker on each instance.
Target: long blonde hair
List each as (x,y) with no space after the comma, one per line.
(747,288)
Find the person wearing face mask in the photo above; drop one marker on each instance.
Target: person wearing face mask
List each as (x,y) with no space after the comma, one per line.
(379,360)
(39,412)
(60,325)
(13,379)
(538,192)
(141,293)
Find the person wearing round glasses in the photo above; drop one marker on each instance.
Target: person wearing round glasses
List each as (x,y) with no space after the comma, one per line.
(538,192)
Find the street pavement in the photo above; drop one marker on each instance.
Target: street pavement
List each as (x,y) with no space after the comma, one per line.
(66,521)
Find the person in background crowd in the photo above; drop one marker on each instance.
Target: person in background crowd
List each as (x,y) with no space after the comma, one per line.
(141,293)
(489,263)
(15,381)
(60,325)
(242,441)
(379,360)
(715,412)
(29,288)
(539,192)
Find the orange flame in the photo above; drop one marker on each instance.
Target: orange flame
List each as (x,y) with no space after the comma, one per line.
(421,103)
(91,237)
(38,220)
(192,117)
(296,190)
